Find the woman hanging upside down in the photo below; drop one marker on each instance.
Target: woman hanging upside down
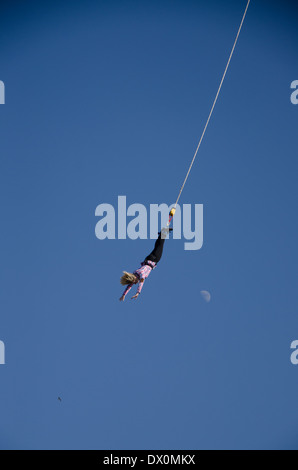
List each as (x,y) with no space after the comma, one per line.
(150,262)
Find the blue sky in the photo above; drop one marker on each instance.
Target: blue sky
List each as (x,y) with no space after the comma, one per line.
(106,99)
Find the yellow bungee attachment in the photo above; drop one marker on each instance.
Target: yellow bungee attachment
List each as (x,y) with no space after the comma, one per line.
(172,212)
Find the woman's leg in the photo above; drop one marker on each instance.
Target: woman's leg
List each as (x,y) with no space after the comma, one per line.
(156,254)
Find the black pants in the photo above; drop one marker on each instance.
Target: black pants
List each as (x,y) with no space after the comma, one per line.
(155,255)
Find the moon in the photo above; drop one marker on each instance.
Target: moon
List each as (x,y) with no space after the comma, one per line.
(206,295)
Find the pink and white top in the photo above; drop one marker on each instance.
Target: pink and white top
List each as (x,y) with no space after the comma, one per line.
(142,273)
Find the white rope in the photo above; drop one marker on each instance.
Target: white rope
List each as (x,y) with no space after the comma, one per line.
(214,103)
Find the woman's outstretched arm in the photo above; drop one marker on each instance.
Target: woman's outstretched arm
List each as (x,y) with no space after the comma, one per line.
(127,289)
(140,287)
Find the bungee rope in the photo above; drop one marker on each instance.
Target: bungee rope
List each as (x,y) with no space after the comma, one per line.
(173,210)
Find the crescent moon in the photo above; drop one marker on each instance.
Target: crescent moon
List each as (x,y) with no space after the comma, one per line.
(206,295)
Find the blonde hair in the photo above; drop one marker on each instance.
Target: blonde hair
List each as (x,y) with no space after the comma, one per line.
(128,278)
